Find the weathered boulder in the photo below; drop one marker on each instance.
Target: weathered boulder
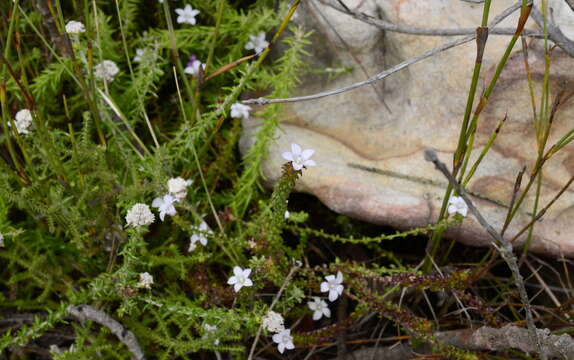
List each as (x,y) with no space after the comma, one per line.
(369,142)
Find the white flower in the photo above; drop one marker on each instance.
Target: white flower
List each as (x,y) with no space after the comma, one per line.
(139,55)
(23,121)
(299,158)
(1,240)
(240,278)
(456,204)
(139,215)
(164,205)
(146,280)
(201,237)
(178,187)
(284,340)
(193,66)
(333,286)
(106,70)
(186,15)
(160,1)
(210,329)
(257,43)
(273,322)
(319,308)
(287,214)
(239,110)
(75,27)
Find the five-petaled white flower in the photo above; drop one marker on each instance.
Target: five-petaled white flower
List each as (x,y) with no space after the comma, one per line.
(273,322)
(456,204)
(257,43)
(23,121)
(178,187)
(106,70)
(239,110)
(193,66)
(284,340)
(319,307)
(186,15)
(146,280)
(299,158)
(75,27)
(139,215)
(240,278)
(333,286)
(165,205)
(201,237)
(209,330)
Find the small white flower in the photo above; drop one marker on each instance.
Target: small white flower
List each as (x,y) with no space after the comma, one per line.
(140,53)
(178,187)
(106,70)
(333,286)
(186,15)
(75,27)
(203,230)
(284,340)
(139,215)
(160,1)
(273,322)
(319,308)
(299,158)
(239,110)
(1,240)
(23,121)
(257,43)
(456,204)
(240,278)
(165,205)
(287,214)
(210,329)
(193,66)
(146,280)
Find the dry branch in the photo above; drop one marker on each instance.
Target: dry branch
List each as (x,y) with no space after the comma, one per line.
(386,73)
(87,312)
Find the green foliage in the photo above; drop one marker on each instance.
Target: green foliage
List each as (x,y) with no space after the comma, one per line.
(98,147)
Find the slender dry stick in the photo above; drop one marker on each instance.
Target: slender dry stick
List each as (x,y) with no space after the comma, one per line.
(503,246)
(285,283)
(414,30)
(385,73)
(87,312)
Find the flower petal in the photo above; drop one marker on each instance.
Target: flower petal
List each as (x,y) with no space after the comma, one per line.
(232,280)
(317,315)
(295,149)
(324,287)
(248,282)
(157,202)
(327,312)
(306,154)
(237,271)
(246,272)
(309,163)
(287,156)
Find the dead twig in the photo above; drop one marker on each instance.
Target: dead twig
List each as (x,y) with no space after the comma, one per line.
(87,312)
(554,32)
(392,70)
(509,337)
(503,246)
(414,30)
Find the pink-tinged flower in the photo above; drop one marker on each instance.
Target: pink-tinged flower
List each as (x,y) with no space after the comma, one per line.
(186,15)
(319,308)
(299,158)
(333,285)
(284,340)
(193,66)
(240,278)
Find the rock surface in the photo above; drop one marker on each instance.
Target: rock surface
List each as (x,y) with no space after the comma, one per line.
(369,142)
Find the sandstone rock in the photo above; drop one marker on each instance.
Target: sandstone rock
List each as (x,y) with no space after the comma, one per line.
(369,142)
